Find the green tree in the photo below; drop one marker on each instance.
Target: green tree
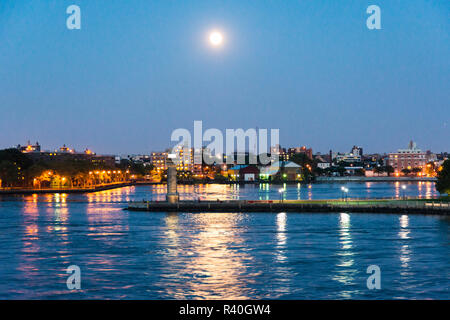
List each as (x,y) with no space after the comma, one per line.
(220,178)
(379,170)
(341,170)
(302,159)
(9,174)
(307,164)
(16,157)
(443,182)
(406,171)
(389,170)
(13,165)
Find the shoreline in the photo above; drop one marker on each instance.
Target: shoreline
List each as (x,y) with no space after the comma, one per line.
(65,190)
(19,191)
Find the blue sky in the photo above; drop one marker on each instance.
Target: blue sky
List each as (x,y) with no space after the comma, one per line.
(137,70)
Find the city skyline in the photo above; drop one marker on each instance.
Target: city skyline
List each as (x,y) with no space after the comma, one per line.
(30,146)
(128,78)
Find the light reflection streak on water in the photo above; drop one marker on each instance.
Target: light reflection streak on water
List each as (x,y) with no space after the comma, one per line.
(345,273)
(106,223)
(58,212)
(264,191)
(397,189)
(109,196)
(405,250)
(209,263)
(31,234)
(30,238)
(282,271)
(281,236)
(419,186)
(429,191)
(368,189)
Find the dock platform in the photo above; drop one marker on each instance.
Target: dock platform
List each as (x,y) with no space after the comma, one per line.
(369,206)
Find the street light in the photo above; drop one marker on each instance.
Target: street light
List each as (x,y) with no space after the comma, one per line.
(404,192)
(281,190)
(344,192)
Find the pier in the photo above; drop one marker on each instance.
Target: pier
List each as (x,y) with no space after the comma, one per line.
(102,187)
(418,206)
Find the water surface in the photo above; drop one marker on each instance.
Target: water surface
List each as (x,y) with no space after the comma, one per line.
(141,255)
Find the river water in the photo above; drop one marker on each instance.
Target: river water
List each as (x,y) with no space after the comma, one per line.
(142,255)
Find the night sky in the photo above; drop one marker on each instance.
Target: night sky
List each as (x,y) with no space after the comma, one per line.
(137,70)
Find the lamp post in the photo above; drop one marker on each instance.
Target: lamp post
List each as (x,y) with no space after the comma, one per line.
(344,193)
(281,190)
(404,192)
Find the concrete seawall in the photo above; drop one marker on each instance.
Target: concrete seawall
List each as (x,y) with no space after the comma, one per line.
(64,190)
(375,206)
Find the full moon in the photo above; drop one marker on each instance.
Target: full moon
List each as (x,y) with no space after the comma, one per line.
(216,38)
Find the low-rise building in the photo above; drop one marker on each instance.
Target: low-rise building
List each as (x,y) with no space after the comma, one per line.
(66,154)
(249,173)
(29,147)
(289,171)
(159,161)
(293,151)
(347,157)
(234,173)
(409,158)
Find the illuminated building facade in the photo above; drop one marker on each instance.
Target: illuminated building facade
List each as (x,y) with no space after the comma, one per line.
(65,154)
(30,148)
(409,158)
(159,161)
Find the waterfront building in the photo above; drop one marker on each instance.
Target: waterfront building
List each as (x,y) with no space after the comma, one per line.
(66,154)
(323,165)
(293,151)
(233,173)
(249,173)
(184,159)
(355,155)
(357,151)
(354,170)
(29,147)
(159,161)
(431,157)
(322,161)
(284,155)
(372,161)
(65,149)
(289,171)
(280,152)
(143,159)
(409,158)
(372,172)
(347,157)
